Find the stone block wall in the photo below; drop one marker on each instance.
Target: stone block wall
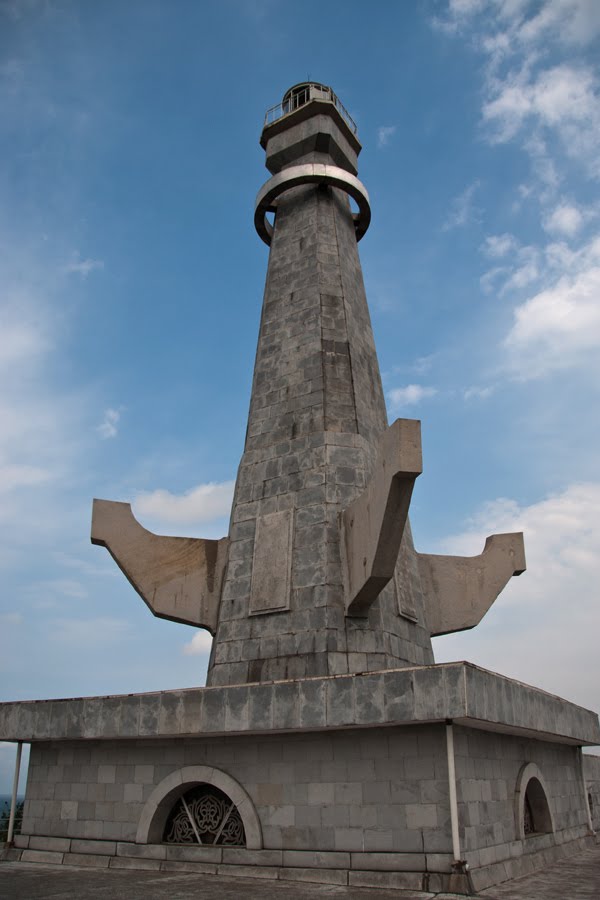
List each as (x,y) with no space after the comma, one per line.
(376,790)
(317,411)
(591,772)
(375,796)
(487,767)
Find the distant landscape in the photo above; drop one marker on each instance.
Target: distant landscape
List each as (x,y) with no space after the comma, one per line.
(5,799)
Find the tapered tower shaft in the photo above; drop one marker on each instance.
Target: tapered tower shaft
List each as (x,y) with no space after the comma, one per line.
(316,414)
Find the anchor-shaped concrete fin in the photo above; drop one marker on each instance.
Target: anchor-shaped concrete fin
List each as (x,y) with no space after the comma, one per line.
(178,578)
(373,525)
(459,590)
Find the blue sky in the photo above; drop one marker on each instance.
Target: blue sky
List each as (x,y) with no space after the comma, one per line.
(131,284)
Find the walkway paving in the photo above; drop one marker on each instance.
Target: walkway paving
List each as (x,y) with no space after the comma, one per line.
(577,878)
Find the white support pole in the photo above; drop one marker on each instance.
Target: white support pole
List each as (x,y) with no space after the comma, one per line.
(452,792)
(13,800)
(585,792)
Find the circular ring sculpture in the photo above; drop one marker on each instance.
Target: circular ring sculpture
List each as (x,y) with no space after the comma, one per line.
(311,173)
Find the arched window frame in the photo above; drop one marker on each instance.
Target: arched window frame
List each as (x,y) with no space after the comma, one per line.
(162,799)
(543,815)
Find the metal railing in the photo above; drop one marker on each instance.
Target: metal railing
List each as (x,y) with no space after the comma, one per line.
(298,98)
(5,819)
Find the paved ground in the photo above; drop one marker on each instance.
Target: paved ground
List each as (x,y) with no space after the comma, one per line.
(577,878)
(574,879)
(30,881)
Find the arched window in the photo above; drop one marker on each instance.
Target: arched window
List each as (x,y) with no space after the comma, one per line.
(205,815)
(536,813)
(532,810)
(200,805)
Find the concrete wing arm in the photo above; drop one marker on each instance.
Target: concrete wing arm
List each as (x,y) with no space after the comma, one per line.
(459,590)
(178,578)
(373,525)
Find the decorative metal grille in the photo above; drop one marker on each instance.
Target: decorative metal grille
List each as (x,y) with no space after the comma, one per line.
(528,824)
(205,815)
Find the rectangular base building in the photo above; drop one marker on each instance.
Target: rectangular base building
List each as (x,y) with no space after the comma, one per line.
(344,780)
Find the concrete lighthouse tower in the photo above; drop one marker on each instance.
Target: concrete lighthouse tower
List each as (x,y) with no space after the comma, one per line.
(316,415)
(327,746)
(318,575)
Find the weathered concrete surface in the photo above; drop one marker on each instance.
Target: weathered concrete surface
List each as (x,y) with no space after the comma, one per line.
(459,590)
(460,691)
(178,578)
(577,878)
(591,773)
(28,881)
(317,411)
(373,525)
(374,799)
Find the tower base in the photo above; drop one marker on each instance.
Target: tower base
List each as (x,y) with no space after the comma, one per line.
(340,780)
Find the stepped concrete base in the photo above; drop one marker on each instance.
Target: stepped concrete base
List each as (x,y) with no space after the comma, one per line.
(340,780)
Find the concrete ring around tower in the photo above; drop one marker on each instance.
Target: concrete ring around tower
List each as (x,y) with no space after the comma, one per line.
(310,173)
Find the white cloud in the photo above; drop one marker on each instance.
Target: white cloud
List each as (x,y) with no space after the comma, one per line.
(524,274)
(200,504)
(88,632)
(423,364)
(556,97)
(523,24)
(23,341)
(53,591)
(14,476)
(409,395)
(201,643)
(538,85)
(562,100)
(490,279)
(478,393)
(559,327)
(83,267)
(384,133)
(499,245)
(38,419)
(570,21)
(463,210)
(564,219)
(543,628)
(108,428)
(521,265)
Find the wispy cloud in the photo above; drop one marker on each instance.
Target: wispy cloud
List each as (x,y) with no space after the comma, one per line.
(562,100)
(202,503)
(85,632)
(384,134)
(109,427)
(559,327)
(463,210)
(83,267)
(565,219)
(410,395)
(498,245)
(478,393)
(523,635)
